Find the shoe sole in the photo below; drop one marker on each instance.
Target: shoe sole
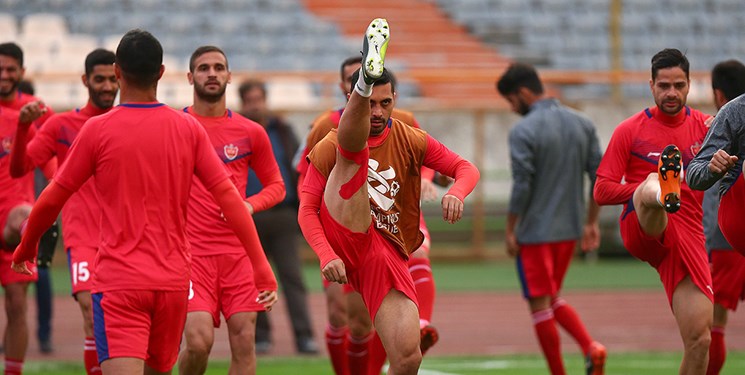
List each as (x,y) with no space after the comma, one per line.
(428,338)
(374,48)
(669,168)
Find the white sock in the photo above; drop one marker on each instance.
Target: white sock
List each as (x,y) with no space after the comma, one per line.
(362,87)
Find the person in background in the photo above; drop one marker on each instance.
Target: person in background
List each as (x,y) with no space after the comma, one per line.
(277,226)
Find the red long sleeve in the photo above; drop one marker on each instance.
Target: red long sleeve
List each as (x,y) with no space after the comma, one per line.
(445,161)
(45,212)
(20,162)
(237,216)
(310,223)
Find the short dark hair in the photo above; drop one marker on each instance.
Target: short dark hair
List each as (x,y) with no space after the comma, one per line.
(386,77)
(519,75)
(347,62)
(26,87)
(729,77)
(13,50)
(98,56)
(140,56)
(201,51)
(669,58)
(249,85)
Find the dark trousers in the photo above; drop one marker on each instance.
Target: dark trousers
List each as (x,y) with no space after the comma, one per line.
(279,232)
(44,304)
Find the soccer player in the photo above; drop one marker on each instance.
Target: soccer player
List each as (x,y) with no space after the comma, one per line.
(11,75)
(661,220)
(350,340)
(363,232)
(222,278)
(546,208)
(727,266)
(81,214)
(16,197)
(143,155)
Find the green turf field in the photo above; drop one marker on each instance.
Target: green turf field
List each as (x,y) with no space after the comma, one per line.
(493,275)
(618,364)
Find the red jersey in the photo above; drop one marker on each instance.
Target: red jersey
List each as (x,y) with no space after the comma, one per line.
(634,150)
(143,157)
(81,215)
(20,100)
(241,144)
(13,190)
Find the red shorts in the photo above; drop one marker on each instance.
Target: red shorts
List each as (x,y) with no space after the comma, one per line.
(678,254)
(80,261)
(222,283)
(142,324)
(425,246)
(8,276)
(373,264)
(730,215)
(542,267)
(728,275)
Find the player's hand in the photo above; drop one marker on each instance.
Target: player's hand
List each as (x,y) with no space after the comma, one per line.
(267,298)
(30,113)
(335,272)
(20,268)
(250,207)
(721,162)
(452,208)
(590,237)
(429,192)
(513,249)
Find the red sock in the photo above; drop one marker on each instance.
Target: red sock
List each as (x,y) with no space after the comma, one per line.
(336,343)
(90,357)
(358,354)
(548,337)
(13,366)
(717,351)
(360,178)
(421,272)
(377,356)
(568,318)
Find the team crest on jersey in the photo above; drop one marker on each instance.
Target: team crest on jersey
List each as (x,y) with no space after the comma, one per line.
(382,189)
(7,144)
(695,148)
(231,151)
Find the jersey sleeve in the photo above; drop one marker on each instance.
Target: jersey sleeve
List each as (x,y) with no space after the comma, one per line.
(522,162)
(41,149)
(719,137)
(80,163)
(609,188)
(308,219)
(447,162)
(265,166)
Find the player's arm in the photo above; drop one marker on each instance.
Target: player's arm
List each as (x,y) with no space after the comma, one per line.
(332,266)
(715,158)
(238,218)
(591,231)
(609,188)
(466,175)
(43,215)
(265,166)
(20,163)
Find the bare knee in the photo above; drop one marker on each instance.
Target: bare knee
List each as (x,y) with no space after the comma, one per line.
(698,341)
(15,303)
(336,305)
(199,342)
(407,361)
